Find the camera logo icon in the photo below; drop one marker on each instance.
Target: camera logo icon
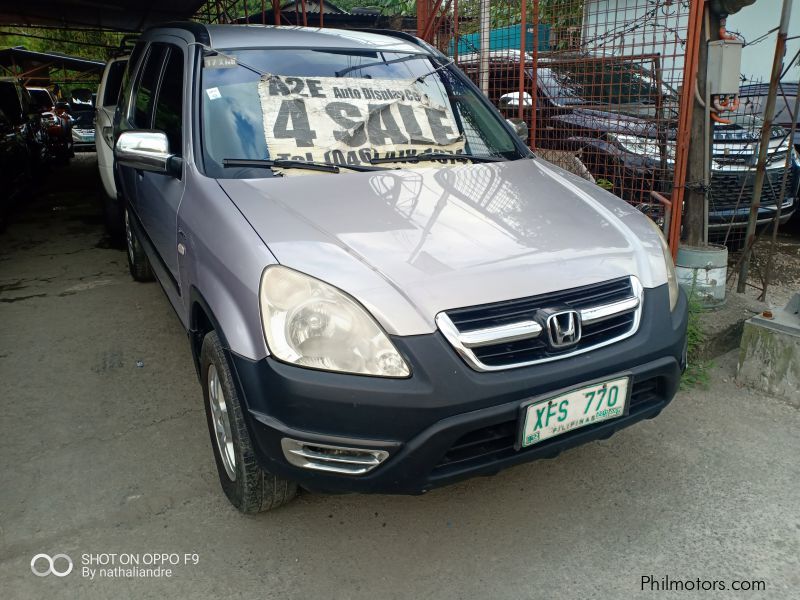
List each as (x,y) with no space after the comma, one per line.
(41,560)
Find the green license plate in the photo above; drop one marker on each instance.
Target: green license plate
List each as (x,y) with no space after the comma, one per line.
(590,404)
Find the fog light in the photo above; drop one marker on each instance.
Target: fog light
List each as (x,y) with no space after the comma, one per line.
(333,459)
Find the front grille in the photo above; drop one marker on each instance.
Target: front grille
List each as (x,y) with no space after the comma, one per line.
(495,442)
(503,313)
(537,348)
(734,189)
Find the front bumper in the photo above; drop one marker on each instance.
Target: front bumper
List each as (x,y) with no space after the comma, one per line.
(729,197)
(448,422)
(737,218)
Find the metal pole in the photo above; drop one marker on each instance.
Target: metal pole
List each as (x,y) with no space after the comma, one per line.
(766,130)
(455,30)
(422,16)
(534,78)
(788,169)
(685,112)
(484,51)
(523,26)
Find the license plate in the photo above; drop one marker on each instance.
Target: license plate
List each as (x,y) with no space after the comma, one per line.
(544,419)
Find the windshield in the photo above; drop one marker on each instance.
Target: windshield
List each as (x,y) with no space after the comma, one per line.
(41,99)
(83,119)
(344,107)
(599,84)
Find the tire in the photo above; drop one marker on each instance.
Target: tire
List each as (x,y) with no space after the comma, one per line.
(248,487)
(138,264)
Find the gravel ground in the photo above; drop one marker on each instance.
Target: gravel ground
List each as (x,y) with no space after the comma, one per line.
(104,449)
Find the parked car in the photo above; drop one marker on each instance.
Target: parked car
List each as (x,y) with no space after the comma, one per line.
(108,94)
(625,125)
(13,161)
(15,102)
(383,289)
(754,98)
(83,130)
(22,143)
(57,122)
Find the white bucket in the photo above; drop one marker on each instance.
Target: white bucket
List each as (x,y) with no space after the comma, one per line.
(702,272)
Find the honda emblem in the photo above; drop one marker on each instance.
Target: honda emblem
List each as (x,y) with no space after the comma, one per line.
(564,328)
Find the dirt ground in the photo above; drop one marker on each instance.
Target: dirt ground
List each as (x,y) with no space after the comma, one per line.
(104,450)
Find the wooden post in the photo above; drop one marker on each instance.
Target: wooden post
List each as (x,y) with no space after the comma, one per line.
(698,168)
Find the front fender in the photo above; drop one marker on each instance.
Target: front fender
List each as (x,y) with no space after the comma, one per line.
(221,266)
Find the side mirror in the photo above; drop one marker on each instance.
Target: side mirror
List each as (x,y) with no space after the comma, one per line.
(147,151)
(511,100)
(520,128)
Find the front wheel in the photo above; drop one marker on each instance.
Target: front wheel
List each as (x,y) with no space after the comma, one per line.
(248,487)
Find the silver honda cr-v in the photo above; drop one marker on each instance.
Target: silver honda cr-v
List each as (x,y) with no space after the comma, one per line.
(384,289)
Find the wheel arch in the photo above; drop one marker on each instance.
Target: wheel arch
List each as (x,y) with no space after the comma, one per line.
(201,322)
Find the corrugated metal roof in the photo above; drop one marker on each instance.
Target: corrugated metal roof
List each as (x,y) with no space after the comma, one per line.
(122,15)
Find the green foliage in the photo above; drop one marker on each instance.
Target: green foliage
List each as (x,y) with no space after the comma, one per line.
(696,373)
(402,8)
(605,184)
(559,14)
(96,45)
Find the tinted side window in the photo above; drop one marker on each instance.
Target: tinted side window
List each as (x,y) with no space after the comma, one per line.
(145,90)
(9,102)
(169,108)
(113,83)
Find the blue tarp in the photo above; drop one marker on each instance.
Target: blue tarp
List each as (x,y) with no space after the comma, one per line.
(503,38)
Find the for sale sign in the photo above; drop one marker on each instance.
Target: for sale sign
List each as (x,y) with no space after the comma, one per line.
(345,120)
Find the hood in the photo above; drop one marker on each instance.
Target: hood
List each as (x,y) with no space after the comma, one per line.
(608,122)
(410,243)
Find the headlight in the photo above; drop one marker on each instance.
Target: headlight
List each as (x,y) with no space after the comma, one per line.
(312,324)
(642,146)
(672,277)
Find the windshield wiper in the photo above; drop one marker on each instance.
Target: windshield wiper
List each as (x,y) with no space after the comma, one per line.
(345,71)
(287,163)
(434,156)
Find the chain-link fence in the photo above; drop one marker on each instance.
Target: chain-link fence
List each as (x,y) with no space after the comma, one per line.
(598,82)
